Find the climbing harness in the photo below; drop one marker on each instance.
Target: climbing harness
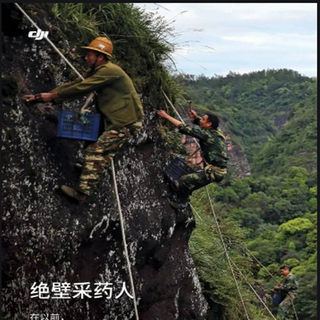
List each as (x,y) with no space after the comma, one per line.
(113,171)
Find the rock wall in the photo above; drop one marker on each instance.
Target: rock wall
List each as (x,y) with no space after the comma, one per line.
(53,247)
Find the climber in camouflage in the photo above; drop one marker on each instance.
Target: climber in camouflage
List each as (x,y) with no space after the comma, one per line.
(118,102)
(213,148)
(288,289)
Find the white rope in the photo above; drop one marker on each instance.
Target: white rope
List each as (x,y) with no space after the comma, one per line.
(293,306)
(50,42)
(255,258)
(227,255)
(216,220)
(223,244)
(173,107)
(61,55)
(112,165)
(244,277)
(124,239)
(194,209)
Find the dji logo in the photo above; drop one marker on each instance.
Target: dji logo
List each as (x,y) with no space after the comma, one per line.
(38,35)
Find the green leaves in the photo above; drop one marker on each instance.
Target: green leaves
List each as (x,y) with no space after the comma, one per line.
(256,107)
(139,39)
(294,226)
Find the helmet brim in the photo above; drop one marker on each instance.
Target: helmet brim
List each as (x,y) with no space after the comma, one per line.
(95,49)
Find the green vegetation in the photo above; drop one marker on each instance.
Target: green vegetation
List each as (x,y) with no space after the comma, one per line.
(217,281)
(254,105)
(271,113)
(139,39)
(273,212)
(295,143)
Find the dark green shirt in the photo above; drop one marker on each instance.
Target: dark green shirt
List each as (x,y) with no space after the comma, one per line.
(116,98)
(290,284)
(212,143)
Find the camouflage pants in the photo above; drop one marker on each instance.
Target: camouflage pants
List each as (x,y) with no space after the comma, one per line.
(201,178)
(99,154)
(285,309)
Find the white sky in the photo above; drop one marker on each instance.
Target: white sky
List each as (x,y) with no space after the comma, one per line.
(216,38)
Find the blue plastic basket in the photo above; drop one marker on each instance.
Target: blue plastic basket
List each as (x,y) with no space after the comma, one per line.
(70,126)
(177,168)
(277,297)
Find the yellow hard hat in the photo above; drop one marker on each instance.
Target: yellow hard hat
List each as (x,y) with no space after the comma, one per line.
(101,44)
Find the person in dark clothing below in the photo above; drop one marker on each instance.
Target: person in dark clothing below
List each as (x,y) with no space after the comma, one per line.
(213,150)
(288,289)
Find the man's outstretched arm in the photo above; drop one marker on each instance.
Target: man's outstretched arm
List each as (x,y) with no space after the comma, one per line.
(45,96)
(197,133)
(164,115)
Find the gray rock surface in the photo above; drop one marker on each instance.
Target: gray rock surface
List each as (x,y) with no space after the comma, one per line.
(48,238)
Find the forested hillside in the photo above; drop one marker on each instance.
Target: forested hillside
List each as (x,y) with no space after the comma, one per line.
(271,215)
(255,105)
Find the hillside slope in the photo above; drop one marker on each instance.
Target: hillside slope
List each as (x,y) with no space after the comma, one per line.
(273,212)
(255,106)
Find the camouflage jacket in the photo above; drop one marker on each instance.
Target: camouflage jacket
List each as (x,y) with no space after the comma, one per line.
(116,98)
(289,284)
(212,143)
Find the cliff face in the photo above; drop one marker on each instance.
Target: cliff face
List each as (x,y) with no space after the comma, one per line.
(49,239)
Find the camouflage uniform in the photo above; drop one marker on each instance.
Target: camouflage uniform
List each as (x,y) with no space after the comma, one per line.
(289,289)
(214,152)
(99,154)
(121,107)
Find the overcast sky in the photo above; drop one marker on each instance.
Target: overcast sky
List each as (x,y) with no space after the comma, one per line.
(216,38)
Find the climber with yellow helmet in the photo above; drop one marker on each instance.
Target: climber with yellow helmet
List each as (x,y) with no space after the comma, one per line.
(118,102)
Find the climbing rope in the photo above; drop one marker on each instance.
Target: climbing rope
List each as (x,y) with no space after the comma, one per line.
(196,212)
(260,263)
(173,107)
(246,280)
(50,42)
(221,237)
(124,238)
(61,55)
(215,218)
(255,258)
(227,254)
(112,165)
